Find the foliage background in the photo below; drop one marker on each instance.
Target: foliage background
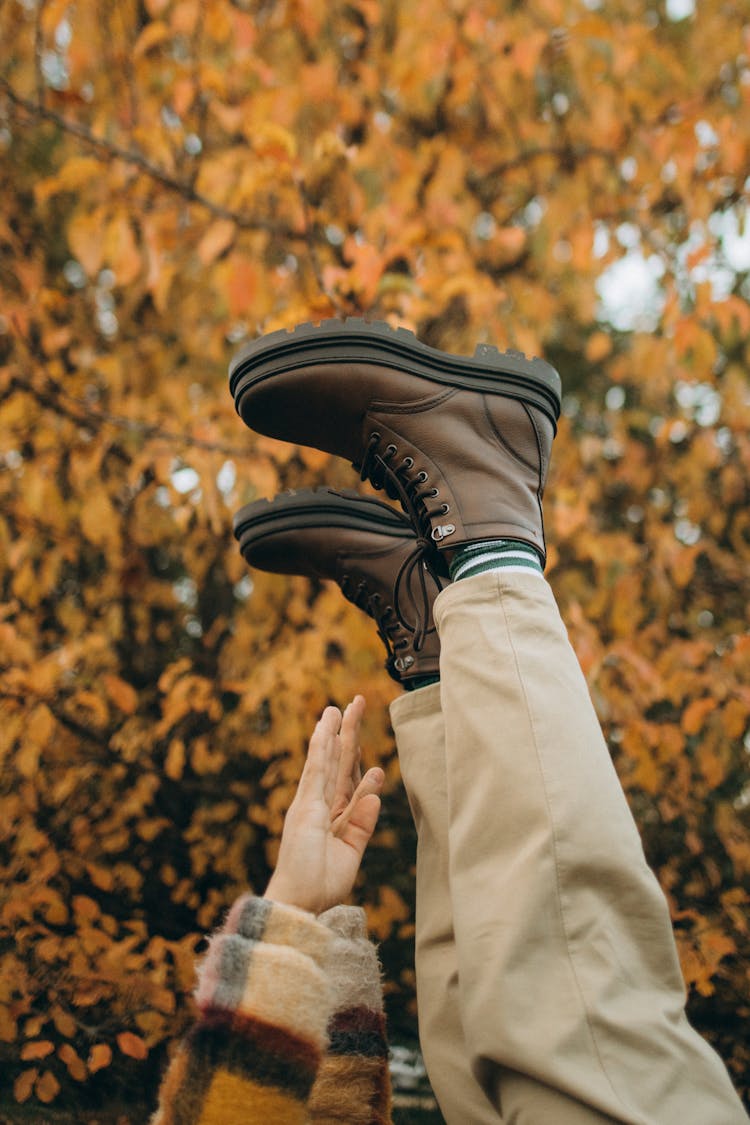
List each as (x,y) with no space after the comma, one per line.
(180,175)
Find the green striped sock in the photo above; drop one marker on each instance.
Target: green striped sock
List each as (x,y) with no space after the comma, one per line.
(420,682)
(494,554)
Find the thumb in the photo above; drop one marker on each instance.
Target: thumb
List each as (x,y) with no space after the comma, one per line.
(364,807)
(358,830)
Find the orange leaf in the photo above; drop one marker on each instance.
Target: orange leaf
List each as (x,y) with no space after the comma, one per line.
(598,347)
(122,694)
(100,1056)
(64,1022)
(47,1087)
(152,35)
(75,1064)
(694,715)
(100,876)
(37,1050)
(215,241)
(132,1045)
(242,286)
(24,1084)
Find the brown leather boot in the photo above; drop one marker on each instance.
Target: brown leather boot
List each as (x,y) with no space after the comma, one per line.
(463,443)
(366,546)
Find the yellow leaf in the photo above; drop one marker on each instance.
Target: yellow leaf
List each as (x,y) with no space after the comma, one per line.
(27,759)
(215,241)
(91,708)
(86,240)
(121,250)
(76,172)
(152,35)
(98,518)
(271,139)
(40,726)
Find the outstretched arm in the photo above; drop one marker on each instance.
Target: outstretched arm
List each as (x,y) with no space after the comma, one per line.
(264,993)
(331,818)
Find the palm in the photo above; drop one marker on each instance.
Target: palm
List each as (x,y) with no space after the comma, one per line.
(331,819)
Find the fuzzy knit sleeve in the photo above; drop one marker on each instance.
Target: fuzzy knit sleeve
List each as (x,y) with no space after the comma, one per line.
(264,1002)
(353,1085)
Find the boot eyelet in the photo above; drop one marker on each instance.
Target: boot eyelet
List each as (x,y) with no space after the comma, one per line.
(408,462)
(391,449)
(422,477)
(375,436)
(445,509)
(435,492)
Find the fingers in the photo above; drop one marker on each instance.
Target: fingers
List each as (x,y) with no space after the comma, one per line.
(332,770)
(357,832)
(321,754)
(348,774)
(370,785)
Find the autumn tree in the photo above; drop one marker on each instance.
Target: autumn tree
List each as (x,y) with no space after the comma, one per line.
(178,176)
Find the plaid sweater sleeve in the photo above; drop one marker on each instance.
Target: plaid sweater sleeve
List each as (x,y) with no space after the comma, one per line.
(264,999)
(353,1084)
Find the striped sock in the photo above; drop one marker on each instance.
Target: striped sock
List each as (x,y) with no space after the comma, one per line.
(420,682)
(494,554)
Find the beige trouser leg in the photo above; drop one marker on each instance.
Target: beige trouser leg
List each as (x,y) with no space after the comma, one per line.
(420,735)
(567,967)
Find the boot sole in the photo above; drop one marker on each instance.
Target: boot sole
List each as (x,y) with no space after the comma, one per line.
(355,340)
(315,507)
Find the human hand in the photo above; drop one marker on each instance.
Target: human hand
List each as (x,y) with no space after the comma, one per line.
(331,819)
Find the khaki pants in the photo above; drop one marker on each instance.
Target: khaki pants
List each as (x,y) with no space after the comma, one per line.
(548,984)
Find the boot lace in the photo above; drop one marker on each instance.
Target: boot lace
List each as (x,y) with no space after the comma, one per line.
(412,490)
(397,635)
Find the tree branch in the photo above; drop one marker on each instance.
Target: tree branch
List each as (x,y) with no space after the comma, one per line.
(77,410)
(136,159)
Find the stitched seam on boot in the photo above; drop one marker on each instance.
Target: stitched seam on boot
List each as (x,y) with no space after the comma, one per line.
(542,473)
(503,442)
(539,444)
(412,407)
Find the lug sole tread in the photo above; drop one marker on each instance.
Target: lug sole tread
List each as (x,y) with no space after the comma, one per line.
(343,508)
(355,340)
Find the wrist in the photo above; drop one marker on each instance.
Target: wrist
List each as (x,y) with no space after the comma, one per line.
(286,895)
